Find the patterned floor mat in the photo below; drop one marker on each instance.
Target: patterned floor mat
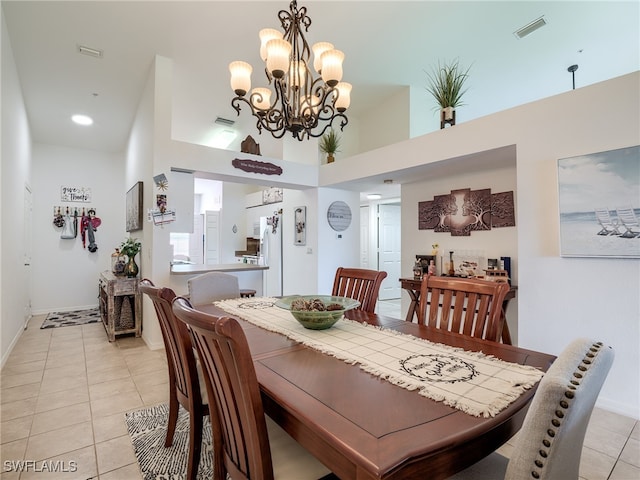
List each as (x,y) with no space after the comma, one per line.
(148,428)
(68,319)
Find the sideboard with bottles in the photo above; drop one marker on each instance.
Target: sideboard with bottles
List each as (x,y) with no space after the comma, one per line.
(120,305)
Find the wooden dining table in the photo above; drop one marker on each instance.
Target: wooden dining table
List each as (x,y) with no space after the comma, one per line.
(364,427)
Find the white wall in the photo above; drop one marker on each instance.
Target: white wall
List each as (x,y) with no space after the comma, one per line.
(138,167)
(300,262)
(233,213)
(15,175)
(387,122)
(336,249)
(559,299)
(65,275)
(494,243)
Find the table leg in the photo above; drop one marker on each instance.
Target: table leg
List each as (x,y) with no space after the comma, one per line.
(414,295)
(506,334)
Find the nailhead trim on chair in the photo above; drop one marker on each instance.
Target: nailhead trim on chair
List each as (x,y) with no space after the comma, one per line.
(564,404)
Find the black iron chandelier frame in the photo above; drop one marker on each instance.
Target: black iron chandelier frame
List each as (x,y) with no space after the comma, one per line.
(304,106)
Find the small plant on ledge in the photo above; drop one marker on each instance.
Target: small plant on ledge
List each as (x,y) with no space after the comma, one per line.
(446,84)
(330,144)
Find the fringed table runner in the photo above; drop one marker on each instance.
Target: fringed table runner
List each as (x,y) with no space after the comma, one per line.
(472,382)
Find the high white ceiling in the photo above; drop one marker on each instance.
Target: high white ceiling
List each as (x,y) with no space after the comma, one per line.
(388,45)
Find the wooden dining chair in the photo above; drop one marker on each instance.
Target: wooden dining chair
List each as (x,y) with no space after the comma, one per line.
(549,444)
(360,284)
(185,377)
(246,444)
(212,286)
(469,306)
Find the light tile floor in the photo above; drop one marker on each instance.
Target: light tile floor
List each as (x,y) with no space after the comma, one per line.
(64,391)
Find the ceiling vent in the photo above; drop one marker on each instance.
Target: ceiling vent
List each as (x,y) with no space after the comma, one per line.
(529,28)
(92,52)
(224,121)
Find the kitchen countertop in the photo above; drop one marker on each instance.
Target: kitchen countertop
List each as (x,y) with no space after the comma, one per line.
(223,267)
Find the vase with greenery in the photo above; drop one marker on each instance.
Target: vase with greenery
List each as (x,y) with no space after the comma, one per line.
(330,144)
(446,84)
(131,247)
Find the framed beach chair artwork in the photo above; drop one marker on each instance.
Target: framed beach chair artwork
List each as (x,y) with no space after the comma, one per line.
(599,204)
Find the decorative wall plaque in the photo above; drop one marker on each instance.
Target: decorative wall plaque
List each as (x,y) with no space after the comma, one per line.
(75,194)
(300,219)
(272,195)
(255,166)
(463,211)
(339,216)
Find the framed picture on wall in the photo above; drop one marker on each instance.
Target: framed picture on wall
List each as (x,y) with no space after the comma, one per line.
(134,208)
(300,218)
(599,204)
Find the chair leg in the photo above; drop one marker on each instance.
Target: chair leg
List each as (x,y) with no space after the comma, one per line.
(195,444)
(174,407)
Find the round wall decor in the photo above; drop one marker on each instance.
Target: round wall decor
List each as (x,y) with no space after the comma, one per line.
(339,216)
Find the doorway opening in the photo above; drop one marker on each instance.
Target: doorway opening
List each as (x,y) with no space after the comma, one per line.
(380,244)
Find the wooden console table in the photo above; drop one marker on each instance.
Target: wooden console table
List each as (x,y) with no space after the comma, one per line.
(120,305)
(412,286)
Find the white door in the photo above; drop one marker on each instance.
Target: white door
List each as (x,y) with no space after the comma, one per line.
(212,238)
(196,240)
(364,237)
(389,250)
(27,243)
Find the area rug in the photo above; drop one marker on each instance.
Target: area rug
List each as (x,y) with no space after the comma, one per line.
(148,428)
(68,319)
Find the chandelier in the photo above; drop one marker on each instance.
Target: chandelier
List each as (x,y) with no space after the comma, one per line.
(303,105)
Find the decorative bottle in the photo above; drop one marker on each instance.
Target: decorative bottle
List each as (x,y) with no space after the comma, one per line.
(452,270)
(117,262)
(432,268)
(417,271)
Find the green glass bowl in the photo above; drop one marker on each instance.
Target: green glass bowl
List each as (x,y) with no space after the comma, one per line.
(318,320)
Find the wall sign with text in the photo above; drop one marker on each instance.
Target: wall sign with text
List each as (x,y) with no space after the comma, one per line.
(339,216)
(75,194)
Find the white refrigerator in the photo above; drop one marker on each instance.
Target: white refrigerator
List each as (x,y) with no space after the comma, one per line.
(271,254)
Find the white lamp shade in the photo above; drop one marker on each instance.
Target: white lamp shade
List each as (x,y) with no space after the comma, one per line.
(318,49)
(261,98)
(332,67)
(298,74)
(343,99)
(278,55)
(265,35)
(240,77)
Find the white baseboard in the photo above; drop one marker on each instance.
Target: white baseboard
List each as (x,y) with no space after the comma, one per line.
(614,406)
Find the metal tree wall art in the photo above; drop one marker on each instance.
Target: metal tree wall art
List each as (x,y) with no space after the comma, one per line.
(463,211)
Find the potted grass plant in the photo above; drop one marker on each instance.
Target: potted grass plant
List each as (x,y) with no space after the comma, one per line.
(330,144)
(446,84)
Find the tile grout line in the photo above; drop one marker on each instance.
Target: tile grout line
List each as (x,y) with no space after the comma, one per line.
(93,431)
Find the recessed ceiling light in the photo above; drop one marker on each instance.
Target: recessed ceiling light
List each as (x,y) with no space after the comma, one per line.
(82,119)
(374,196)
